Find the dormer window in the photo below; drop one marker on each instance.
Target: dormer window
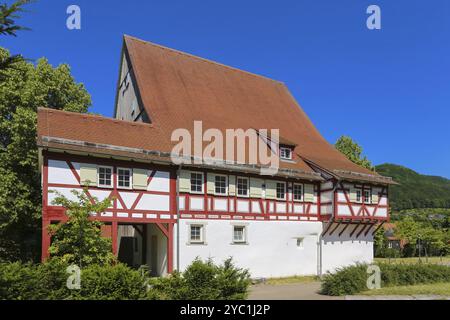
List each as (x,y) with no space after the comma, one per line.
(285,153)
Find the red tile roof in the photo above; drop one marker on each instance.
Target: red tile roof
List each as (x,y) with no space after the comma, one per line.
(178,88)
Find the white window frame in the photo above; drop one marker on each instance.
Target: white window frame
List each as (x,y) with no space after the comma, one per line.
(202,240)
(226,185)
(276,190)
(245,233)
(360,195)
(203,182)
(367,200)
(302,196)
(283,153)
(248,187)
(112,177)
(131,178)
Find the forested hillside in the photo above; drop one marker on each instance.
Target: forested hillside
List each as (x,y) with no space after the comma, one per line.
(415,190)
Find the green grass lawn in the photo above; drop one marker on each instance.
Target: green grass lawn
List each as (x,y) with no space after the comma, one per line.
(293,279)
(434,260)
(441,289)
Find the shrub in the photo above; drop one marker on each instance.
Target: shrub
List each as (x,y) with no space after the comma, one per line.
(205,281)
(348,280)
(48,282)
(351,280)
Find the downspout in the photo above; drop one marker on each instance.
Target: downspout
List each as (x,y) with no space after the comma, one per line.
(178,217)
(333,207)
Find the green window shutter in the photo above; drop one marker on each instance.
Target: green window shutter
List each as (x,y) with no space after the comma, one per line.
(271,189)
(255,188)
(375,196)
(232,185)
(309,193)
(352,194)
(88,175)
(185,181)
(140,178)
(210,183)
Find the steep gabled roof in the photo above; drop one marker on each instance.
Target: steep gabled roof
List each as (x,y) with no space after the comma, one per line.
(178,88)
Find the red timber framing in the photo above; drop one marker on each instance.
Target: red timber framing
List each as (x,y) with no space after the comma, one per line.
(164,220)
(362,212)
(264,206)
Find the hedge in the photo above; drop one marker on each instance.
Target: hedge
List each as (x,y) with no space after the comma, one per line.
(200,281)
(353,279)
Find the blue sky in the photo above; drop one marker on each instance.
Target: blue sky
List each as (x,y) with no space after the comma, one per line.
(388,89)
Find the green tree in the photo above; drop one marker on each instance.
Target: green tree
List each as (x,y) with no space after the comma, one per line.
(27,87)
(79,240)
(353,151)
(9,27)
(408,230)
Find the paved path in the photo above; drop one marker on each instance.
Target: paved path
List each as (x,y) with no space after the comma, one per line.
(309,291)
(293,291)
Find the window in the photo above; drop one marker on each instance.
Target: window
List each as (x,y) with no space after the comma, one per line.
(196,234)
(105,177)
(124,178)
(297,192)
(220,184)
(242,187)
(285,153)
(196,182)
(281,190)
(367,197)
(358,195)
(239,234)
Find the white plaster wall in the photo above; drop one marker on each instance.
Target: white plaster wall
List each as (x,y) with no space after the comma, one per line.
(59,172)
(339,251)
(161,256)
(271,250)
(154,202)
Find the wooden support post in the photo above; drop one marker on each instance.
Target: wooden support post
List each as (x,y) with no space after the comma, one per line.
(114,237)
(170,248)
(144,244)
(46,240)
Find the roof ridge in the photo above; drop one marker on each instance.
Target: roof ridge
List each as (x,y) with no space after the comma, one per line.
(93,116)
(203,59)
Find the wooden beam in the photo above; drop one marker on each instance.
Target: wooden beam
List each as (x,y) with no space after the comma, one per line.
(354,229)
(368,230)
(345,227)
(327,228)
(378,228)
(362,230)
(337,226)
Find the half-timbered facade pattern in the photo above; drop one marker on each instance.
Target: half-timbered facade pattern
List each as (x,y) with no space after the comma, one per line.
(319,212)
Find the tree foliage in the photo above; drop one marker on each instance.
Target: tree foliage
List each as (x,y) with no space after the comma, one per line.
(353,151)
(415,190)
(79,240)
(27,87)
(9,27)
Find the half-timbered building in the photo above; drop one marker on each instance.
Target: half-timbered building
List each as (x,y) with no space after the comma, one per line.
(319,211)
